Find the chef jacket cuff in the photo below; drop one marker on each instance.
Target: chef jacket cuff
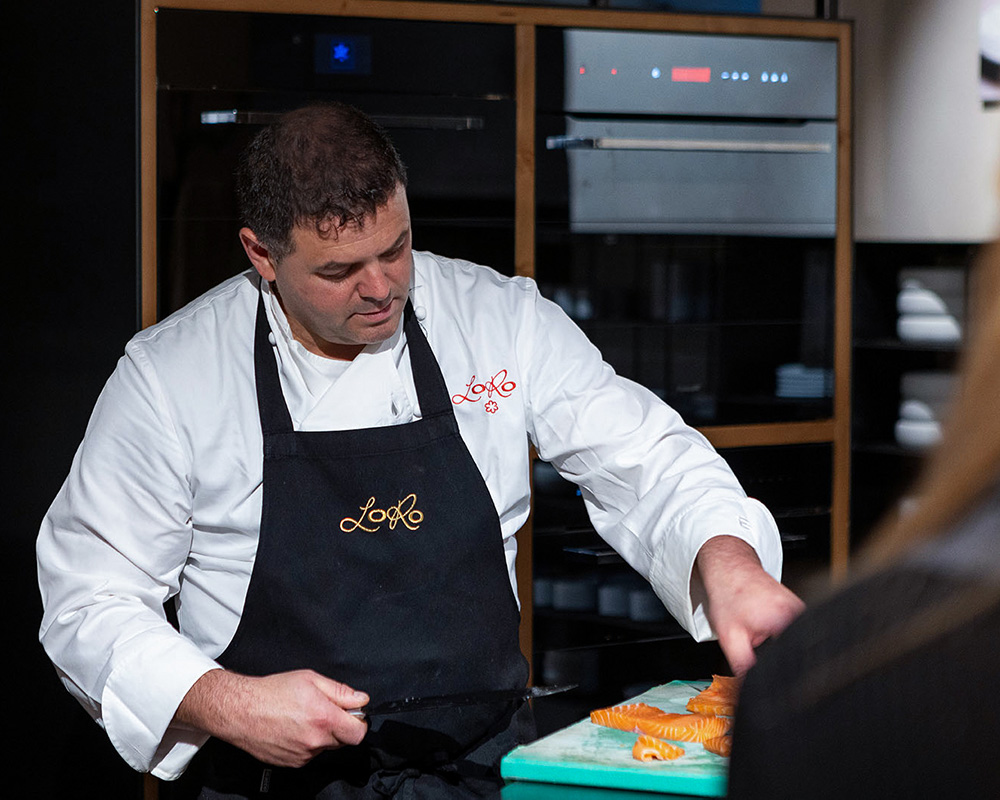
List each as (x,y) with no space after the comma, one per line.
(140,698)
(673,564)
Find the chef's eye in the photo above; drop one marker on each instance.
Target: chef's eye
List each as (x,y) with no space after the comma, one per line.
(336,275)
(397,249)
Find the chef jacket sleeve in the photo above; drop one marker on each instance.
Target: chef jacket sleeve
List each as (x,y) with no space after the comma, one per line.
(110,553)
(654,488)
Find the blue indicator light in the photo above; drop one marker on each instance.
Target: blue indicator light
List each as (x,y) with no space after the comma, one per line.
(745,76)
(342,56)
(724,76)
(656,72)
(341,52)
(784,77)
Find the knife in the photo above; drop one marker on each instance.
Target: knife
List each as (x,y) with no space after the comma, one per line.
(407,704)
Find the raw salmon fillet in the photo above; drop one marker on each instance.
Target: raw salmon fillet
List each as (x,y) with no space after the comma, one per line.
(719,698)
(649,748)
(624,718)
(643,718)
(684,727)
(721,745)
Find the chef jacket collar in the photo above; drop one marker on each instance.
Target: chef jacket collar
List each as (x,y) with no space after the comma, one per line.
(313,388)
(279,322)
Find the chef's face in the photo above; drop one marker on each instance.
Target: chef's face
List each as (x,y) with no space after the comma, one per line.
(346,289)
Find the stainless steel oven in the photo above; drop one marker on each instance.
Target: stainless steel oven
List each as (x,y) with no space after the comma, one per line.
(681,133)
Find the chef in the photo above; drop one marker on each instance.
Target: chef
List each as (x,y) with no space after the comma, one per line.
(320,466)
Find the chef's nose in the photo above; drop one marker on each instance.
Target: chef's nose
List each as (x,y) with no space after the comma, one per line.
(374,285)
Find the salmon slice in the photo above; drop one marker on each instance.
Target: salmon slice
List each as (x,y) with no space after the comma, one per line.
(625,717)
(720,745)
(649,748)
(643,718)
(684,727)
(719,698)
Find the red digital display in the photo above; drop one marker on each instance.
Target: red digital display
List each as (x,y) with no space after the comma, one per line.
(691,74)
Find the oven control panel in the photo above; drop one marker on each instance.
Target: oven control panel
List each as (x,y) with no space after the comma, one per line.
(628,72)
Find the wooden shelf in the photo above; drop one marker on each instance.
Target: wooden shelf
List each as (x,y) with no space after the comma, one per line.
(722,436)
(892,344)
(890,449)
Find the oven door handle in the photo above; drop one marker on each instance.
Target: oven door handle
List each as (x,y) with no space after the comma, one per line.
(684,145)
(396,121)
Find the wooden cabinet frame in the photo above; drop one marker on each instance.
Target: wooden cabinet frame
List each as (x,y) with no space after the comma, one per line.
(525,20)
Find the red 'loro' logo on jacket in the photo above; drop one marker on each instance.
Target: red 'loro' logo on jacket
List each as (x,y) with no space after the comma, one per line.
(489,391)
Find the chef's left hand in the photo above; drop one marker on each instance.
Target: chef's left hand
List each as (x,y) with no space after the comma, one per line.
(744,605)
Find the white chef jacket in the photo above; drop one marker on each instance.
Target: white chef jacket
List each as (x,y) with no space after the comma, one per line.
(164,494)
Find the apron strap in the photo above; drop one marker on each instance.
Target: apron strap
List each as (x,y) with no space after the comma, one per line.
(432,393)
(274,416)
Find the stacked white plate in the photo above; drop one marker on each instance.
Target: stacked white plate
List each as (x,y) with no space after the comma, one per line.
(924,398)
(798,380)
(931,304)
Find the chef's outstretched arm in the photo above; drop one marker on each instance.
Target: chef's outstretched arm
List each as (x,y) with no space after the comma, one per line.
(285,719)
(744,605)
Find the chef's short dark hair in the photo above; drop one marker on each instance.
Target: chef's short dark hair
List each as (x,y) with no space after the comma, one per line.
(327,164)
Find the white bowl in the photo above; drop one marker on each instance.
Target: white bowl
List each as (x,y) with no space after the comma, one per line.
(917,434)
(928,328)
(915,300)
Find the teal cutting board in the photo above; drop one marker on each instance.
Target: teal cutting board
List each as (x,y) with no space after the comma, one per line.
(585,754)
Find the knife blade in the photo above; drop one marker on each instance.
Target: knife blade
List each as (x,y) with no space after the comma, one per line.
(407,704)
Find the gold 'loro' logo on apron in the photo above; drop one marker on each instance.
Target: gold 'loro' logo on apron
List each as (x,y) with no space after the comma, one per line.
(404,513)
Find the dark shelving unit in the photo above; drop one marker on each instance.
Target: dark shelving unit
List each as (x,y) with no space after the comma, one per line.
(883,470)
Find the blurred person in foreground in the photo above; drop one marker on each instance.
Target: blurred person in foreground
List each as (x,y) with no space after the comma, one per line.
(890,687)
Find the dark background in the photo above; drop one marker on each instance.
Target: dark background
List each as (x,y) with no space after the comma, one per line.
(69,247)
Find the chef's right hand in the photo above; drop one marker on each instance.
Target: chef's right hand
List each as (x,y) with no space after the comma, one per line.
(285,719)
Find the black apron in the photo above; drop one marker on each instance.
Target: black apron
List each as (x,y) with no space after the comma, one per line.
(379,564)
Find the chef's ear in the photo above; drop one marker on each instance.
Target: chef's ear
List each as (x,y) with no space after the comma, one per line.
(258,254)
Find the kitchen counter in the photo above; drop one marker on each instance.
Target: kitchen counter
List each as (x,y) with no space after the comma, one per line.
(551,791)
(584,760)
